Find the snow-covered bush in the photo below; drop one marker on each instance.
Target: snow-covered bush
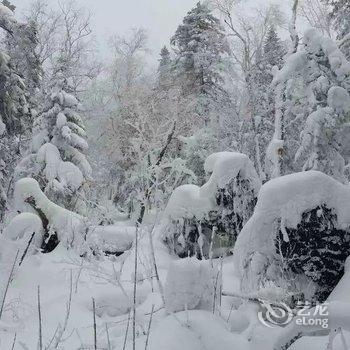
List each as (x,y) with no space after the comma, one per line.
(192,284)
(298,237)
(207,219)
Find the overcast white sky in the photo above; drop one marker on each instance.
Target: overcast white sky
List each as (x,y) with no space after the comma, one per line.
(159,17)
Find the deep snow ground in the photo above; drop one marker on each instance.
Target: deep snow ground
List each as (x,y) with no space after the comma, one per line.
(110,282)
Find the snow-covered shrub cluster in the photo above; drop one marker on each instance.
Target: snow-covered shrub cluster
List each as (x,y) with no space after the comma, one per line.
(207,219)
(298,237)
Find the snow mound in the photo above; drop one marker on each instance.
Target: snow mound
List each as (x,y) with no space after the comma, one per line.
(192,284)
(285,199)
(186,202)
(22,226)
(111,239)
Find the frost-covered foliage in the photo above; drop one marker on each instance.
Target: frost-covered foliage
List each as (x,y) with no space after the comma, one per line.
(340,17)
(207,219)
(192,284)
(321,137)
(312,86)
(298,237)
(57,155)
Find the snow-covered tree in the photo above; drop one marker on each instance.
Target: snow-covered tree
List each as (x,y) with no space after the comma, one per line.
(14,111)
(200,47)
(22,48)
(201,57)
(164,67)
(311,92)
(57,156)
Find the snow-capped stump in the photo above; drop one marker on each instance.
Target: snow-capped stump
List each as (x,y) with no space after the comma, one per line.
(298,237)
(205,220)
(23,226)
(59,224)
(192,284)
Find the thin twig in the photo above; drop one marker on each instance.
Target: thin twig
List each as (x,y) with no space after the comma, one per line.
(108,340)
(135,290)
(126,332)
(40,323)
(95,331)
(26,250)
(149,327)
(8,284)
(14,342)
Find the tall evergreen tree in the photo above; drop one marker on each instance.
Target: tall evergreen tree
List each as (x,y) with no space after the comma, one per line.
(200,46)
(164,68)
(200,61)
(57,160)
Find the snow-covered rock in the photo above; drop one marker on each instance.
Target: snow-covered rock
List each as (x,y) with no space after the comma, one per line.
(282,202)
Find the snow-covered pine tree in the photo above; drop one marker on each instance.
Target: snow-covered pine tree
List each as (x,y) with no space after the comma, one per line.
(200,48)
(164,68)
(21,46)
(57,160)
